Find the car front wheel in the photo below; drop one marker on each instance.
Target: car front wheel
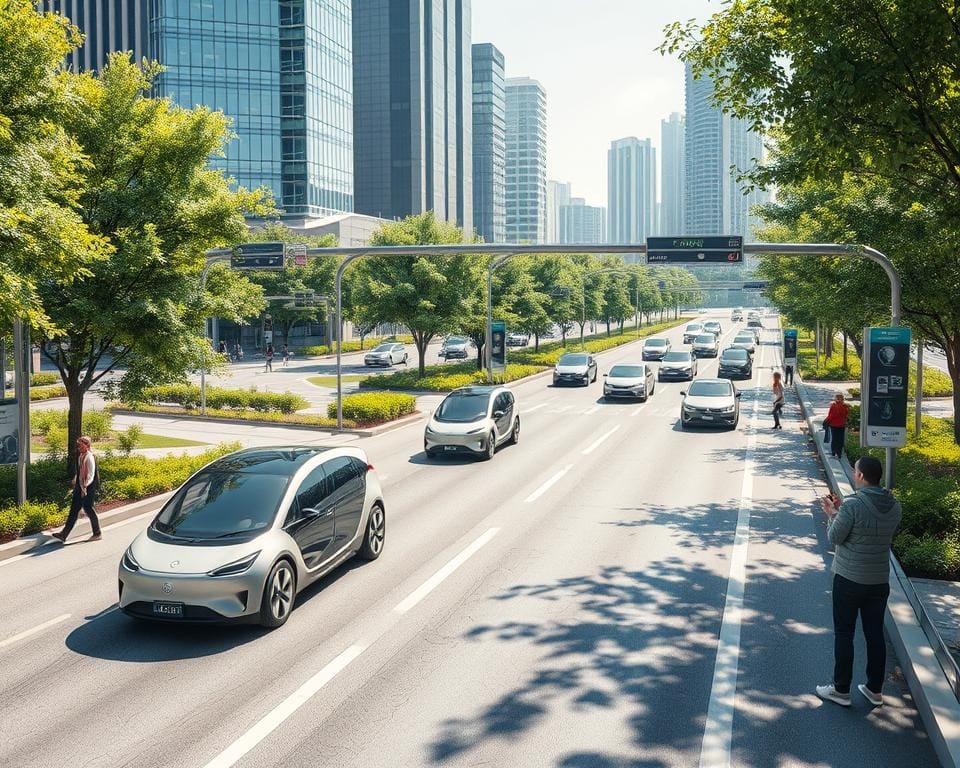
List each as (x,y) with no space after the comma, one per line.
(278,595)
(491,447)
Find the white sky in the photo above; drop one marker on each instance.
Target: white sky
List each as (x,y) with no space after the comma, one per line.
(598,62)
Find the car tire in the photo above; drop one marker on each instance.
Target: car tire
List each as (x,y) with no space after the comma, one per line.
(279,595)
(515,433)
(375,535)
(491,447)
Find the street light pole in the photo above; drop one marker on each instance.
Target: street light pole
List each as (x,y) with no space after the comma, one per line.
(211,260)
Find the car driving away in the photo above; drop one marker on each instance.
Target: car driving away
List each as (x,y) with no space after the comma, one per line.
(517,340)
(242,536)
(705,345)
(473,421)
(633,380)
(714,327)
(655,349)
(455,348)
(744,341)
(691,332)
(710,402)
(678,365)
(735,363)
(386,355)
(575,368)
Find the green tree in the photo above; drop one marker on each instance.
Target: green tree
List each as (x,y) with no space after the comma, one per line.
(148,192)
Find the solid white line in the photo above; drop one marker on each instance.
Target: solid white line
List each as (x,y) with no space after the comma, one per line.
(535,408)
(591,410)
(434,581)
(593,446)
(39,628)
(284,709)
(546,486)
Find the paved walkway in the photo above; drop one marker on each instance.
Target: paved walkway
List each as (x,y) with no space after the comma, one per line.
(941,407)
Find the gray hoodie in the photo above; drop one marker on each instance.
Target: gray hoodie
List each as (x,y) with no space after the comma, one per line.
(862,533)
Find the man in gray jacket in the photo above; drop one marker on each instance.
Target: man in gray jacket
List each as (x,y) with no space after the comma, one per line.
(861,530)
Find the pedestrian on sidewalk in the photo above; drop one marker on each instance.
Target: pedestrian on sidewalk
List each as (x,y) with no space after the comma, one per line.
(861,530)
(788,374)
(285,353)
(86,483)
(238,352)
(777,400)
(268,357)
(837,422)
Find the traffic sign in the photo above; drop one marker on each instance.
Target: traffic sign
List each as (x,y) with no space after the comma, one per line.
(758,285)
(718,249)
(258,256)
(298,252)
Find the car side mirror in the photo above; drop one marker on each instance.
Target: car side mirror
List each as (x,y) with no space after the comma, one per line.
(498,414)
(604,375)
(683,392)
(737,394)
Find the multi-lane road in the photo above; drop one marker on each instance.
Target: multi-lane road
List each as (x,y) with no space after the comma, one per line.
(611,592)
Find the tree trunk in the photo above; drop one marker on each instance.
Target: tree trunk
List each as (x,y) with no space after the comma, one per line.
(75,394)
(421,340)
(845,366)
(952,350)
(828,347)
(608,327)
(480,360)
(536,342)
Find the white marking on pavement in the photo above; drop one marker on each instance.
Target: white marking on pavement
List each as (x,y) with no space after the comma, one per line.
(546,486)
(591,410)
(535,408)
(30,632)
(284,709)
(561,409)
(434,581)
(597,443)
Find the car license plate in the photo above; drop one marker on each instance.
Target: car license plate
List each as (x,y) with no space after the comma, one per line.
(449,447)
(707,418)
(170,610)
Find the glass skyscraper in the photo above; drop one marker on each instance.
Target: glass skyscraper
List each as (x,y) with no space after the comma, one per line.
(526,171)
(672,175)
(489,143)
(632,190)
(582,223)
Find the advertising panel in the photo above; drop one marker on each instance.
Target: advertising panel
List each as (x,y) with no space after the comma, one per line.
(883,387)
(498,345)
(790,346)
(9,431)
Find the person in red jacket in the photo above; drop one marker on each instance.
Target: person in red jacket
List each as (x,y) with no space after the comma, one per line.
(837,421)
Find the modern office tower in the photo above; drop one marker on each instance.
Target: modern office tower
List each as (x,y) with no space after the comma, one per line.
(489,143)
(526,161)
(282,71)
(582,223)
(412,106)
(631,190)
(672,175)
(558,195)
(719,147)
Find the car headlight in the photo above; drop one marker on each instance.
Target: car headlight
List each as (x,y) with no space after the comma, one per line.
(728,409)
(129,561)
(236,567)
(476,431)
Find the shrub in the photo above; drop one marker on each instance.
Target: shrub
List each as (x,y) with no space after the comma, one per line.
(12,522)
(188,396)
(369,408)
(128,439)
(44,378)
(272,417)
(38,394)
(97,424)
(928,555)
(56,442)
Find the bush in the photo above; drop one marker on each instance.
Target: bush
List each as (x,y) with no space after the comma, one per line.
(97,423)
(56,442)
(272,417)
(353,345)
(369,408)
(188,396)
(39,394)
(928,555)
(128,439)
(42,379)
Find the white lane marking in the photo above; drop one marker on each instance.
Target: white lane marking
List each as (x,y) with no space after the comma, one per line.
(561,409)
(129,520)
(591,410)
(535,408)
(599,441)
(434,581)
(30,632)
(284,709)
(546,486)
(637,411)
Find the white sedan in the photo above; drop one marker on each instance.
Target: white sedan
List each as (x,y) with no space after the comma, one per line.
(386,354)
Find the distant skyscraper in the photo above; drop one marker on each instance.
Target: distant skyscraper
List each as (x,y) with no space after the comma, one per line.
(582,223)
(558,195)
(672,175)
(413,102)
(526,161)
(715,143)
(631,190)
(489,143)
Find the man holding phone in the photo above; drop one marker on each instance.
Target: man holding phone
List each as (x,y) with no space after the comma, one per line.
(861,528)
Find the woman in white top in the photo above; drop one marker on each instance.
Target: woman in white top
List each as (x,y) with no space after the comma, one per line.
(85,486)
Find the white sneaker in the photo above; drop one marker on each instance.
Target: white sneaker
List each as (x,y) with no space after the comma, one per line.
(874,698)
(829,693)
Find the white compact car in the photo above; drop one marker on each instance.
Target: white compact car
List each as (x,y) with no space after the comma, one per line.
(633,380)
(473,421)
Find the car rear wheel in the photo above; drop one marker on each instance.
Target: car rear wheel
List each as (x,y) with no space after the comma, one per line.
(278,595)
(491,447)
(374,538)
(515,433)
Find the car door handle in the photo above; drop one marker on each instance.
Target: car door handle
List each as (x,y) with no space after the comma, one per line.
(329,511)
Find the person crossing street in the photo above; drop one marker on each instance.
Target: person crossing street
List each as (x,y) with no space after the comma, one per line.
(86,484)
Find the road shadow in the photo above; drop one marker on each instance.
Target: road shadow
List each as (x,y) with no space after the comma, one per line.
(453,459)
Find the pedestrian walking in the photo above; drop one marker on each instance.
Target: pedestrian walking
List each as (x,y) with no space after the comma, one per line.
(788,374)
(777,400)
(238,352)
(861,529)
(285,354)
(268,357)
(836,421)
(86,484)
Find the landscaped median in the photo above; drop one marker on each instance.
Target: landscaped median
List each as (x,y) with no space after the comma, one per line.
(351,346)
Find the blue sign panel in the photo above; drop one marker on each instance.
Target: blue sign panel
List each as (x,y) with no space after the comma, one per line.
(885,371)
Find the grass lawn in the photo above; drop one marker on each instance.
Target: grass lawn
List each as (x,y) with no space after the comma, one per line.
(331,381)
(145,441)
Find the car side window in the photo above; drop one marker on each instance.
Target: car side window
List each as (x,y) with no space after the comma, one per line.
(509,400)
(498,404)
(313,491)
(341,472)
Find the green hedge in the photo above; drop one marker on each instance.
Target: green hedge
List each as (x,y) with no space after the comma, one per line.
(188,395)
(352,345)
(44,378)
(368,408)
(38,394)
(272,417)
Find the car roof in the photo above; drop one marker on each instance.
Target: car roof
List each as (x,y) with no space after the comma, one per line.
(279,460)
(476,389)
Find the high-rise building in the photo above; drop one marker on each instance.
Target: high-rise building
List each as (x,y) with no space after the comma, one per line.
(672,175)
(281,70)
(631,190)
(719,147)
(489,143)
(582,223)
(413,102)
(558,195)
(526,161)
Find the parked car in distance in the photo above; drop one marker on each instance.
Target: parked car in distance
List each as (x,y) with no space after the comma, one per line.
(246,533)
(517,340)
(735,362)
(386,354)
(744,340)
(633,380)
(678,365)
(706,345)
(655,349)
(710,402)
(473,421)
(691,332)
(714,327)
(575,368)
(455,348)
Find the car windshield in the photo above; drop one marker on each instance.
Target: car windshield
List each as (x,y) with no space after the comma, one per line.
(676,357)
(744,337)
(572,359)
(462,407)
(456,340)
(218,504)
(694,327)
(706,338)
(655,343)
(734,354)
(710,389)
(711,324)
(383,348)
(626,371)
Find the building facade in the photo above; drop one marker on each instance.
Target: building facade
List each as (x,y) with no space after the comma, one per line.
(581,223)
(526,168)
(672,176)
(558,195)
(412,106)
(489,144)
(631,190)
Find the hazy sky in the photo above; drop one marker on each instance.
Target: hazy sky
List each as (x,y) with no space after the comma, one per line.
(598,62)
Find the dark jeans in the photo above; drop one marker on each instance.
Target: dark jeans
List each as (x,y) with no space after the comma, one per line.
(86,504)
(870,602)
(837,438)
(788,375)
(777,409)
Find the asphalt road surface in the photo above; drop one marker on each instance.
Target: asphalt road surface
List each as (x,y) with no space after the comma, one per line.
(611,592)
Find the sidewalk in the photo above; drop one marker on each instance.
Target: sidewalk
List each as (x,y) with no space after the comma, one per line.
(941,407)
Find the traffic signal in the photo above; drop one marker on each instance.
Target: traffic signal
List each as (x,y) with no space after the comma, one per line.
(258,256)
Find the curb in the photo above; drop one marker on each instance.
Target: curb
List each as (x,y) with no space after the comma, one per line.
(935,700)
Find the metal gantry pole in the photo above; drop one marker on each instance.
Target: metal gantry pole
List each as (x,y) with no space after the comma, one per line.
(21,383)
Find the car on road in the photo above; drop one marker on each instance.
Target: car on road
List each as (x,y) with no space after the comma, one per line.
(517,340)
(655,349)
(710,402)
(246,533)
(714,327)
(634,380)
(691,332)
(386,354)
(706,345)
(575,368)
(474,421)
(455,348)
(735,362)
(744,340)
(756,325)
(679,364)
(736,314)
